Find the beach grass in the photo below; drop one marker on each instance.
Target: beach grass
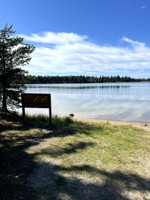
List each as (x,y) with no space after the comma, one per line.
(73,159)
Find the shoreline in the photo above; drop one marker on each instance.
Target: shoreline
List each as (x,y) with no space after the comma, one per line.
(145,126)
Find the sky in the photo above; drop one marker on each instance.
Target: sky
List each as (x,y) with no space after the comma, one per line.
(83,37)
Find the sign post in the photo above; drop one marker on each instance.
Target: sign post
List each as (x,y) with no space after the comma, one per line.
(30,100)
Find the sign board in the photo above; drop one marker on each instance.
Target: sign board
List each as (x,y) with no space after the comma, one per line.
(36,100)
(30,100)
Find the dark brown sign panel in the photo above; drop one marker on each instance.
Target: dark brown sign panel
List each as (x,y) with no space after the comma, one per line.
(30,100)
(36,100)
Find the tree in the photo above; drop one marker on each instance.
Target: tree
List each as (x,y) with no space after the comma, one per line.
(14,54)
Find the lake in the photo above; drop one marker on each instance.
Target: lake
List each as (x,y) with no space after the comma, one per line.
(129,102)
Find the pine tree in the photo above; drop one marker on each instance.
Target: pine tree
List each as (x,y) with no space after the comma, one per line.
(14,54)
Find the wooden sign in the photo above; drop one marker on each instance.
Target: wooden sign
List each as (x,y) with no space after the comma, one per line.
(30,100)
(36,100)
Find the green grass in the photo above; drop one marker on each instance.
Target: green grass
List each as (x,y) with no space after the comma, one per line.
(74,160)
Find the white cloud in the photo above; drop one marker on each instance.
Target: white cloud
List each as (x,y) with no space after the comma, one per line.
(133,43)
(71,53)
(54,38)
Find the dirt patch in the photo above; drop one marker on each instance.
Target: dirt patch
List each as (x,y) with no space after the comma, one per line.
(52,183)
(48,181)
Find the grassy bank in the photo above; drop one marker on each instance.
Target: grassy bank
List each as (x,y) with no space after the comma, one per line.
(73,160)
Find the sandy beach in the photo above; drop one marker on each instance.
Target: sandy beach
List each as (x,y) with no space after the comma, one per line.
(145,126)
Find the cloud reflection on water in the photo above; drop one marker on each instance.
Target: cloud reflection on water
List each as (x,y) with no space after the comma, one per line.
(116,101)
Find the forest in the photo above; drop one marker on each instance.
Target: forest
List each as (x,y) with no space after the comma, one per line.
(81,79)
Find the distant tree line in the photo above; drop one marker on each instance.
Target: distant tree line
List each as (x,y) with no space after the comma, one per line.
(81,79)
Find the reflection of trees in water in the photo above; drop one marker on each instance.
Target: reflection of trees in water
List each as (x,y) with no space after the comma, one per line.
(78,87)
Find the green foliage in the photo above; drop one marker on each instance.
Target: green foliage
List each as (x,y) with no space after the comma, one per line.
(10,116)
(42,120)
(14,53)
(80,79)
(62,121)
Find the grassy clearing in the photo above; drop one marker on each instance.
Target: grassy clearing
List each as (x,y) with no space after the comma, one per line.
(74,160)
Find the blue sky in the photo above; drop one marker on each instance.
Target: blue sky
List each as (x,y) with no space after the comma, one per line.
(83,37)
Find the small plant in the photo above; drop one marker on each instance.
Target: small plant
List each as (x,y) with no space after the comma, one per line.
(62,121)
(37,120)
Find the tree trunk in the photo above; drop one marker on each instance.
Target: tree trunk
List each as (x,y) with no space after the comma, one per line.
(4,104)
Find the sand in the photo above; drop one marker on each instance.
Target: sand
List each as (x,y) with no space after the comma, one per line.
(144,126)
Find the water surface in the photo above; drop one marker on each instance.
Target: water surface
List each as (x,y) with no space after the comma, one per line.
(104,101)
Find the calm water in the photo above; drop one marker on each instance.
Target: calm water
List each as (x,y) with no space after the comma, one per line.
(107,101)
